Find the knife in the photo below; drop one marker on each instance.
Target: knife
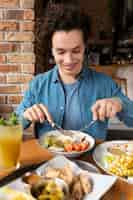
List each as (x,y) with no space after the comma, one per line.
(18,173)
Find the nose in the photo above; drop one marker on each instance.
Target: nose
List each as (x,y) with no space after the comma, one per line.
(68,58)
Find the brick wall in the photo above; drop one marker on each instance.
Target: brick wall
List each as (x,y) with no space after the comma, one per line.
(16,51)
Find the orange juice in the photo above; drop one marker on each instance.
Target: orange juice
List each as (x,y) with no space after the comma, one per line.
(10,141)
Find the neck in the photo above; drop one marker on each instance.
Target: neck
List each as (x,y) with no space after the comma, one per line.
(67,79)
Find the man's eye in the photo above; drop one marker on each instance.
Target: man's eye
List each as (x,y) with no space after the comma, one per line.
(76,51)
(60,52)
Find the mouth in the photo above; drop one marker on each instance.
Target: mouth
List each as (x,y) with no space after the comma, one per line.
(70,66)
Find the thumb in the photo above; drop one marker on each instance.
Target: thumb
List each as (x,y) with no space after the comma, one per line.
(94,110)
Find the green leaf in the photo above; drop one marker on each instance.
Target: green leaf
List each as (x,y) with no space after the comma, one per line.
(2,121)
(13,119)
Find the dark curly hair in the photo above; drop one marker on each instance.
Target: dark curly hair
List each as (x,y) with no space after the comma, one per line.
(59,17)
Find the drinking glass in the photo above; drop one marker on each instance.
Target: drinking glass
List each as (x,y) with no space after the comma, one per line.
(10,142)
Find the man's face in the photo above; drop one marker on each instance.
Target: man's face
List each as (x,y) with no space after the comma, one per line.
(68,51)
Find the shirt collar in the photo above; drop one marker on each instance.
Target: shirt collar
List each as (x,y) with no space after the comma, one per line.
(55,77)
(83,74)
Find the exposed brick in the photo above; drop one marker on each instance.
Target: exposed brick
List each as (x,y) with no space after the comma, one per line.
(19,78)
(27,26)
(28,68)
(2,78)
(27,3)
(20,37)
(2,99)
(10,89)
(6,108)
(24,87)
(1,36)
(27,47)
(9,47)
(1,14)
(2,58)
(10,68)
(9,3)
(9,26)
(21,58)
(29,14)
(14,14)
(14,99)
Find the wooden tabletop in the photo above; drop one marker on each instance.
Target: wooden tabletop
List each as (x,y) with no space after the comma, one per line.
(32,152)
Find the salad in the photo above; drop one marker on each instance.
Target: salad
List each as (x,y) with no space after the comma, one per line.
(65,143)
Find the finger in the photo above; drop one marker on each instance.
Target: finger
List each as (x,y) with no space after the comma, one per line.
(28,115)
(109,107)
(35,112)
(113,113)
(94,110)
(102,111)
(40,116)
(46,112)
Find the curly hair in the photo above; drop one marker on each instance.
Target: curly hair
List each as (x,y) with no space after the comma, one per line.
(59,17)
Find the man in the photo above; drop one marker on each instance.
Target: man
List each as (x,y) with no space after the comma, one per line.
(71,94)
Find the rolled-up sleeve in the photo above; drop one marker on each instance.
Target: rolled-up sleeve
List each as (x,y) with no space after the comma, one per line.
(126,115)
(28,101)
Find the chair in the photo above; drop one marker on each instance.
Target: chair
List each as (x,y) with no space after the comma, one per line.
(122,82)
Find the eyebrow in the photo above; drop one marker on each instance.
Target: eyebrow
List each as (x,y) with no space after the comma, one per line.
(61,49)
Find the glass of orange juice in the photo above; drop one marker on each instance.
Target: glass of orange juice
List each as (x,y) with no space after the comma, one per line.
(10,142)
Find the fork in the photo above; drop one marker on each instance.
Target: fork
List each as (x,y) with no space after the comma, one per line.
(61,130)
(88,125)
(68,132)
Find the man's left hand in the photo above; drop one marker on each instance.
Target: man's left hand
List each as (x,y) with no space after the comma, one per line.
(106,108)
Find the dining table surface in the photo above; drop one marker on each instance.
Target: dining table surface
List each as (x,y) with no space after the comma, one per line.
(32,153)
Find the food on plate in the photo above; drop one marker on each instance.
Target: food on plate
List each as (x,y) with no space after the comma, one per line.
(31,178)
(64,173)
(119,159)
(49,189)
(65,143)
(81,185)
(7,193)
(76,146)
(75,186)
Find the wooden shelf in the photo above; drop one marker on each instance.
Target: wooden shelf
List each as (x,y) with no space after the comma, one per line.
(100,42)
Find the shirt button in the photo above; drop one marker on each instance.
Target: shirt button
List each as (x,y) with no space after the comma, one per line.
(62,108)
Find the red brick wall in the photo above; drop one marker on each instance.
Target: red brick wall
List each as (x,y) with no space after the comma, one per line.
(16,51)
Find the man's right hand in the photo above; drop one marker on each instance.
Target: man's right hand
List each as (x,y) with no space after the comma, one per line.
(37,113)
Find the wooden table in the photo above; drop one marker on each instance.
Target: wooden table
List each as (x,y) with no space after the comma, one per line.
(31,152)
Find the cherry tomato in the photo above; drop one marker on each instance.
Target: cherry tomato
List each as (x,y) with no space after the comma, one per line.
(68,148)
(84,146)
(76,147)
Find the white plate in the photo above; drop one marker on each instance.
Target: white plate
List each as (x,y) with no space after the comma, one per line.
(101,151)
(101,183)
(78,136)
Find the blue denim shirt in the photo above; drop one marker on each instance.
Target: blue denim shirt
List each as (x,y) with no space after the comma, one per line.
(46,88)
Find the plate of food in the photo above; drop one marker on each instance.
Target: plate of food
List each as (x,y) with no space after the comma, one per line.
(116,158)
(59,179)
(68,145)
(79,184)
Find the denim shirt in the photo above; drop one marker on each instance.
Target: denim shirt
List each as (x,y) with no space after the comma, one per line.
(46,88)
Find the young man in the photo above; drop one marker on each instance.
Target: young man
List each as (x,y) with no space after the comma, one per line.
(71,94)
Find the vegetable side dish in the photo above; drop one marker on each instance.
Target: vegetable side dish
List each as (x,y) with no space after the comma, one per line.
(119,159)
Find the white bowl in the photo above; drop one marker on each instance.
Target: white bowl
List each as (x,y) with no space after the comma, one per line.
(77,136)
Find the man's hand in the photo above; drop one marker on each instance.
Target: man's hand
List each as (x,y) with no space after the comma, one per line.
(37,113)
(106,108)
